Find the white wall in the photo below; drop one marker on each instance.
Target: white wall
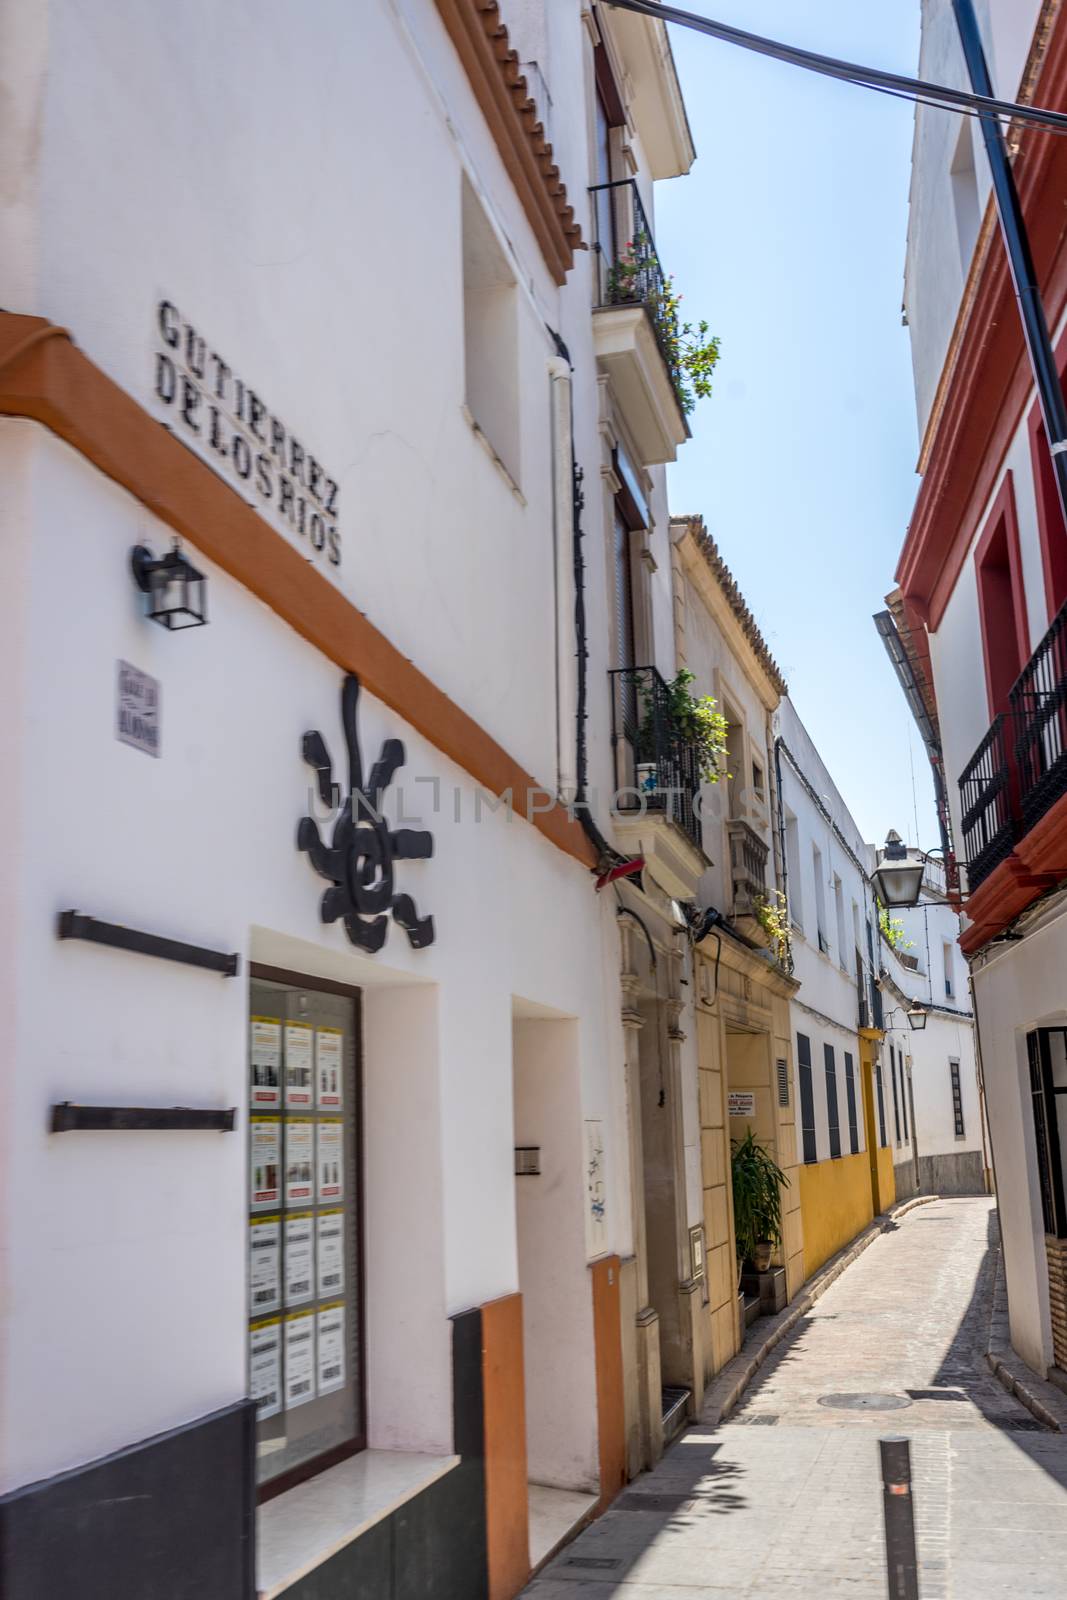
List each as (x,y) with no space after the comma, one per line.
(935,271)
(145,1234)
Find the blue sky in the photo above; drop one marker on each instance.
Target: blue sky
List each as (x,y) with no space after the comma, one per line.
(788,236)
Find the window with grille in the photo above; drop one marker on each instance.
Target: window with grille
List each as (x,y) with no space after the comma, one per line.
(896,1097)
(905,1091)
(850,1096)
(807,1097)
(832,1113)
(1047,1051)
(957,1097)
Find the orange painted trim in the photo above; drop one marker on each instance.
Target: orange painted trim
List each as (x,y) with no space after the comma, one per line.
(1043,851)
(45,378)
(481,41)
(1010,888)
(991,384)
(610,1403)
(504,1397)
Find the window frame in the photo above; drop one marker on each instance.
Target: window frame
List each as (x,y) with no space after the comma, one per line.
(956,1089)
(896,1099)
(806,1098)
(833,1109)
(350,1447)
(850,1097)
(1046,1138)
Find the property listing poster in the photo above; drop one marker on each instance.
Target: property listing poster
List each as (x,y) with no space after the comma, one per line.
(299,1258)
(329,1056)
(265,1166)
(331,1134)
(331,1253)
(299,1078)
(299,1161)
(266,1058)
(264,1266)
(331,1348)
(265,1366)
(299,1359)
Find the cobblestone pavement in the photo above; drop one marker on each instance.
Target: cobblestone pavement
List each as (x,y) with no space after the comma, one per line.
(784,1499)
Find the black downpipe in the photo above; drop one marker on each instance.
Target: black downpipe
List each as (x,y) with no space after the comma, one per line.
(606,853)
(1020,259)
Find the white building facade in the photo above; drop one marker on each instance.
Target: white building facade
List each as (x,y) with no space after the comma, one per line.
(979,620)
(335,1202)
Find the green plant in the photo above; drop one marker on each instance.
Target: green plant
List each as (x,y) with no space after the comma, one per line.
(691,352)
(758,1182)
(699,724)
(893,930)
(774,920)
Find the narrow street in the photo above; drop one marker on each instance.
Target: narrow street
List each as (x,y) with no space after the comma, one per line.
(785,1498)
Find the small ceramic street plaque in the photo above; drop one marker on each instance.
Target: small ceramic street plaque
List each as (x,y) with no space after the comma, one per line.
(137,710)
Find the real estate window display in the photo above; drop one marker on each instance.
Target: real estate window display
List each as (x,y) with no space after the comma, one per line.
(304,1308)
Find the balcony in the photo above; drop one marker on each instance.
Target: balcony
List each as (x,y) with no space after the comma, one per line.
(988,811)
(657,778)
(748,868)
(1019,771)
(634,323)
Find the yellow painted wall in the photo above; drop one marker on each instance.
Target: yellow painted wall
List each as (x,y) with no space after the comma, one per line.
(835,1205)
(887,1183)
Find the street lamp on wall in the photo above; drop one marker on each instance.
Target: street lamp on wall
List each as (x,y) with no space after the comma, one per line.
(175,589)
(915,1014)
(898,877)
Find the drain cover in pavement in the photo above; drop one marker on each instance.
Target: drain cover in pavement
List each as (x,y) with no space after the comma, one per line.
(762,1419)
(599,1563)
(636,1500)
(937,1394)
(865,1402)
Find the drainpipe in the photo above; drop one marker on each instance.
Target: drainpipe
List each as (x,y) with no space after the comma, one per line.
(1020,259)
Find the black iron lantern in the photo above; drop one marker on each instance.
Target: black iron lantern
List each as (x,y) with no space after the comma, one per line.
(916,1016)
(898,878)
(175,589)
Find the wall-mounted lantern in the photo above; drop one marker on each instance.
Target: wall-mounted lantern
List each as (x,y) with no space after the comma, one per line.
(527,1161)
(898,878)
(175,589)
(916,1016)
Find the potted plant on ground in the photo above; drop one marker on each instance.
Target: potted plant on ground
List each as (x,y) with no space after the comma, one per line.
(758,1182)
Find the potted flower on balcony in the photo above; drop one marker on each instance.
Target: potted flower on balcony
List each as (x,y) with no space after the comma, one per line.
(684,719)
(758,1182)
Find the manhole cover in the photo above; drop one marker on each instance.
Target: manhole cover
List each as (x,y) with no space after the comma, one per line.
(865,1402)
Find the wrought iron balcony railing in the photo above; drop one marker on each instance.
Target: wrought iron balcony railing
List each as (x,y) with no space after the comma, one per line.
(656,766)
(628,270)
(748,868)
(988,821)
(1039,709)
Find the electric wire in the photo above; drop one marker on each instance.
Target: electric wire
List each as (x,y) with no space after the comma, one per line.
(896,84)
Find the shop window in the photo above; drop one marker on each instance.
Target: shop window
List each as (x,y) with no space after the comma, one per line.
(305,1349)
(833,1116)
(1001,600)
(957,1097)
(807,1098)
(850,1096)
(1047,1054)
(491,339)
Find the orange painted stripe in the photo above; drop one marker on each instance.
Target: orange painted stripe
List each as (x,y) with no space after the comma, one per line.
(504,1393)
(43,377)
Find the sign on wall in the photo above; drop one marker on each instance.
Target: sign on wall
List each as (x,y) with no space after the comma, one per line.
(137,709)
(216,412)
(741,1102)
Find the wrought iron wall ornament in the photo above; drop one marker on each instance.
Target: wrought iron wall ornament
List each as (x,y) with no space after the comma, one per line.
(359,858)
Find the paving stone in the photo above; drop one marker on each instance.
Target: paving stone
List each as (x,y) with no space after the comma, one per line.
(793,1508)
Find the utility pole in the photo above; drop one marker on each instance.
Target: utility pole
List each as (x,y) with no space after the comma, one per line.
(1020,259)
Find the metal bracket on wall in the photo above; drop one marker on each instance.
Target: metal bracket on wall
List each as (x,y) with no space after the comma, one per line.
(76,925)
(69,1118)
